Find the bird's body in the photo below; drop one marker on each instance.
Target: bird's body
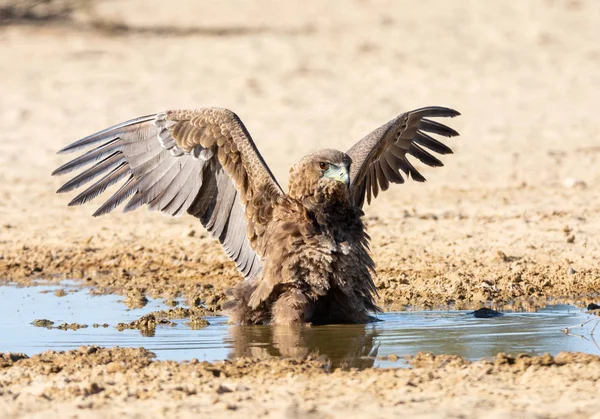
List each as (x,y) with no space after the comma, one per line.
(304,253)
(317,266)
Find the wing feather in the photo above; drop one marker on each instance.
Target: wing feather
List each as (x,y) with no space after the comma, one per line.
(390,169)
(431,143)
(97,188)
(128,189)
(434,127)
(425,158)
(106,164)
(382,179)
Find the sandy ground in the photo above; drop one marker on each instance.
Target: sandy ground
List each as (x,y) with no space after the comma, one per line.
(513,219)
(93,382)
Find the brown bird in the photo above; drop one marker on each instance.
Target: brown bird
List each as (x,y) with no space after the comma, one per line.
(304,255)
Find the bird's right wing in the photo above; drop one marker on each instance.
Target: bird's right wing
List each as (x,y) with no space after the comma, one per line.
(201,162)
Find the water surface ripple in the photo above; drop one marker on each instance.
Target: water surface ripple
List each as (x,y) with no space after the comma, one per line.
(401,333)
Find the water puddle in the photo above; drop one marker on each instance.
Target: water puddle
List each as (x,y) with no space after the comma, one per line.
(377,344)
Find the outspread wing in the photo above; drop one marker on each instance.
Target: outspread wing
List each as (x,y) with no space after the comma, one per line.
(378,158)
(201,162)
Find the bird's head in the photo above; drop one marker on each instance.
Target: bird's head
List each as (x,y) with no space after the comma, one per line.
(327,168)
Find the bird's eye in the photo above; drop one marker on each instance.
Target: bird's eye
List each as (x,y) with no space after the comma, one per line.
(323,166)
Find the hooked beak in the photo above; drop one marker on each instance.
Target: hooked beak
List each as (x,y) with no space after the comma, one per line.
(340,174)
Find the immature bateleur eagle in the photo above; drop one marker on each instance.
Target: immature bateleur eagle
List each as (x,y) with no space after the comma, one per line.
(304,255)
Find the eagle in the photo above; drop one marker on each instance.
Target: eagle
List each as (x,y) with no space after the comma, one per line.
(303,255)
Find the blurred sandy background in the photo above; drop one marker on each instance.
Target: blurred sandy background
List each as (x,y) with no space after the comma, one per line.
(518,197)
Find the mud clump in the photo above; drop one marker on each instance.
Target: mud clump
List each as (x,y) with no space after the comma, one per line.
(196,322)
(7,359)
(145,324)
(60,293)
(429,360)
(69,362)
(135,299)
(173,313)
(71,326)
(43,323)
(49,324)
(181,312)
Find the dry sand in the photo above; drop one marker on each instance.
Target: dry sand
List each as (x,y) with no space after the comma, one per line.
(513,218)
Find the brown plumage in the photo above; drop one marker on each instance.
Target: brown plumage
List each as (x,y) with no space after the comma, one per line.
(304,255)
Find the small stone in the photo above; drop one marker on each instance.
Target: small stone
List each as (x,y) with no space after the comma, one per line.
(571,271)
(567,230)
(571,238)
(500,255)
(392,357)
(188,232)
(485,313)
(223,389)
(92,388)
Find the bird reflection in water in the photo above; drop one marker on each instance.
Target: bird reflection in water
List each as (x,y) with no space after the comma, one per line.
(342,346)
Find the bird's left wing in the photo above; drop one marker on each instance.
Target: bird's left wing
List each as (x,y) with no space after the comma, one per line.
(378,158)
(201,162)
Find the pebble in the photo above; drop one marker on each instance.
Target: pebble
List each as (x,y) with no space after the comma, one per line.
(500,255)
(485,313)
(224,389)
(571,271)
(188,232)
(571,238)
(60,293)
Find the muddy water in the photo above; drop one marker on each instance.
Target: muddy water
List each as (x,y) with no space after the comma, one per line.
(377,344)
